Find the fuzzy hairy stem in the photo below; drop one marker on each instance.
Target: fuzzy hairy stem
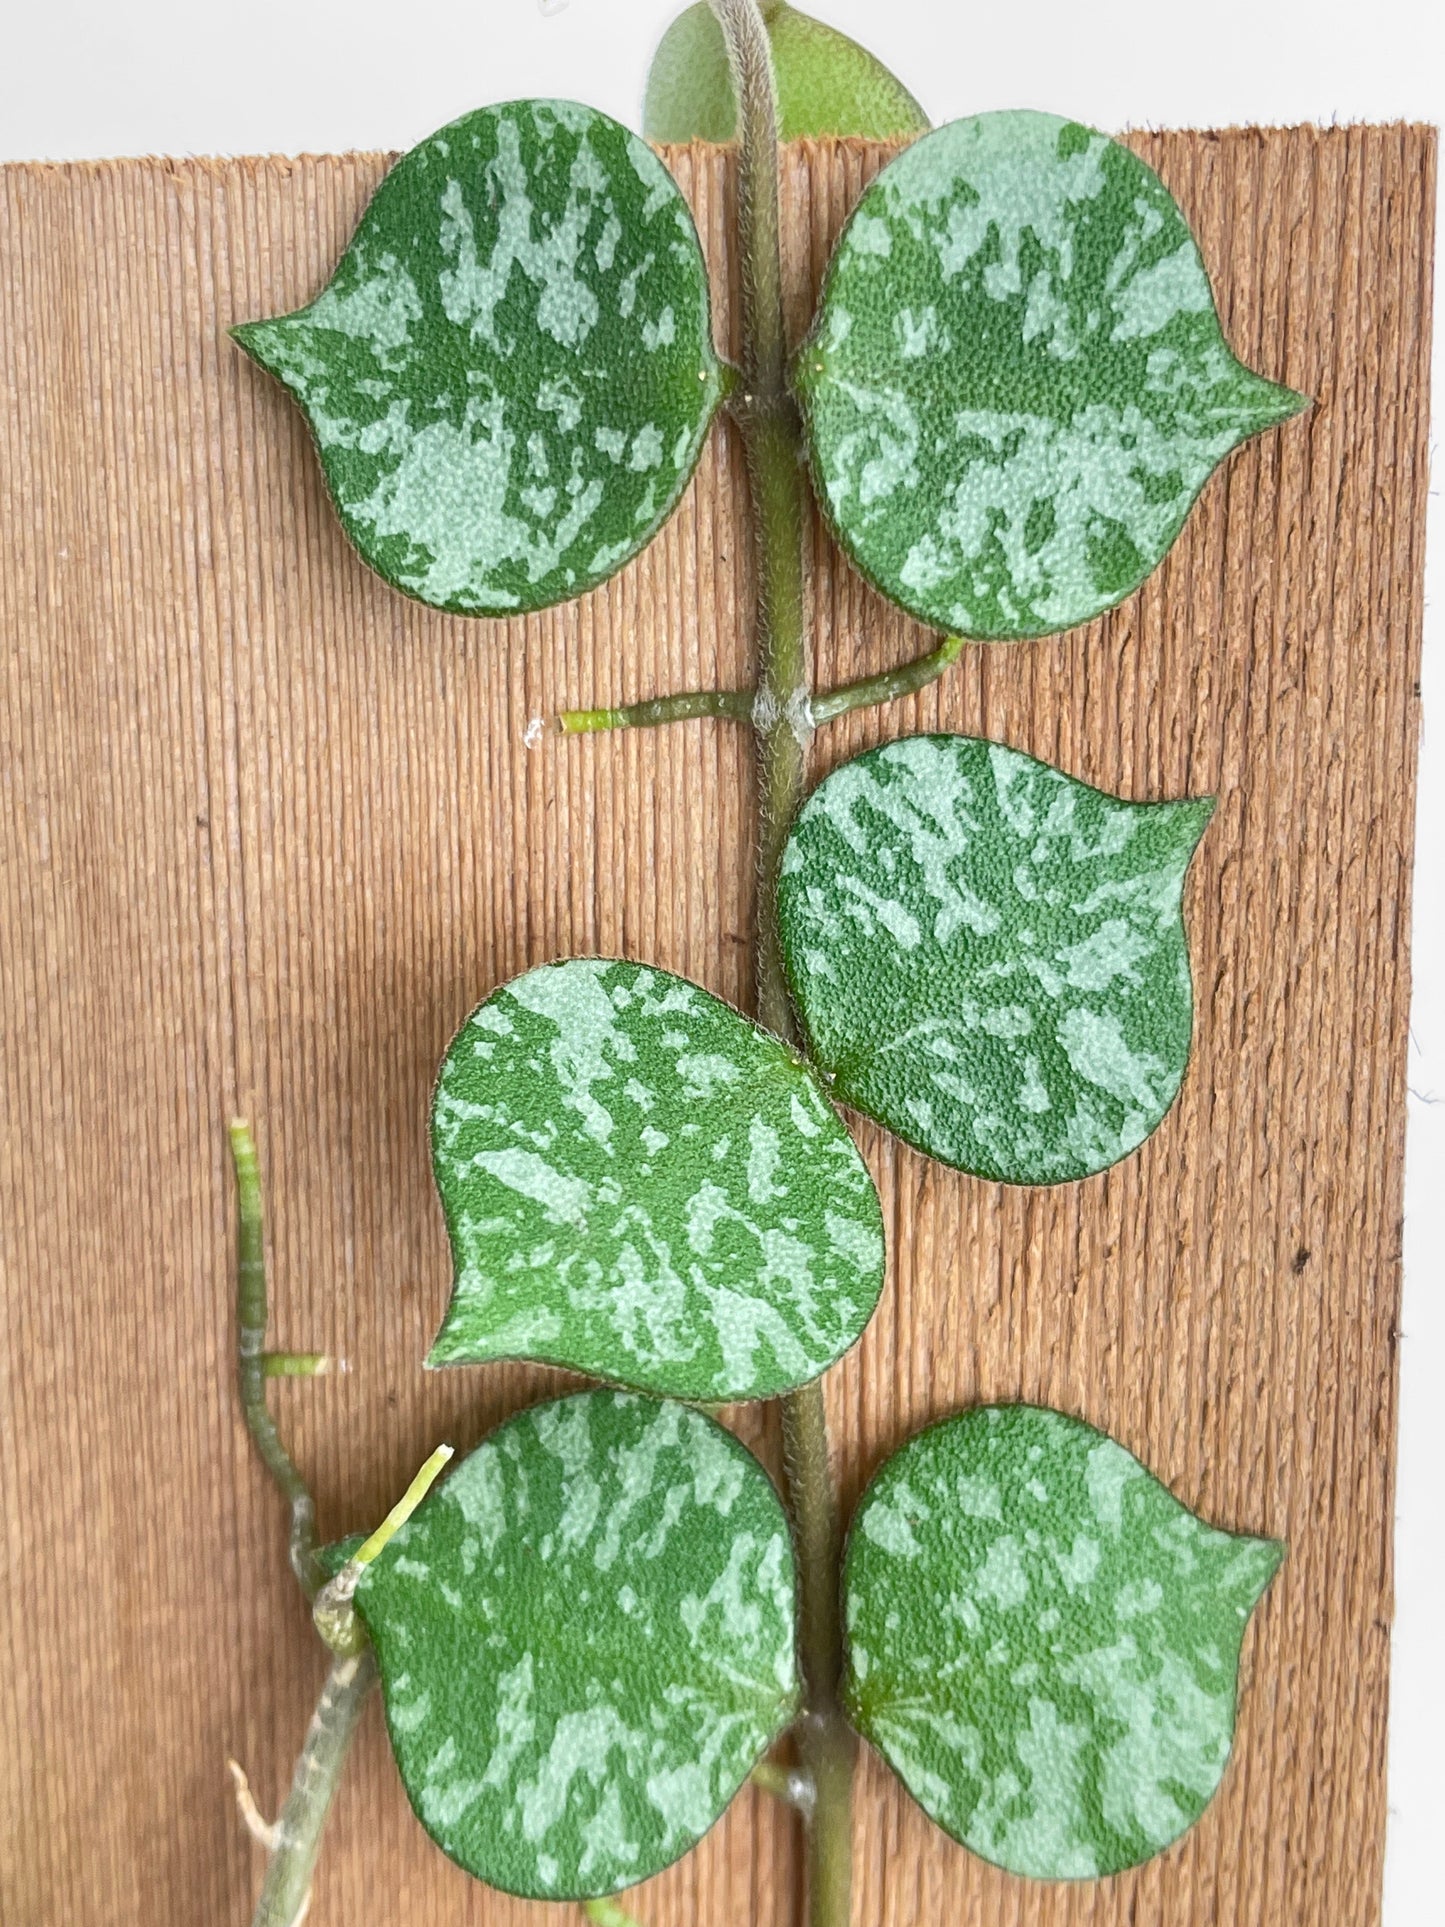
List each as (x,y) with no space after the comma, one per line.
(772,440)
(889,684)
(768,418)
(728,705)
(296,1836)
(251,1361)
(825,1740)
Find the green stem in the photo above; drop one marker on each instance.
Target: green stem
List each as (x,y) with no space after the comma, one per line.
(296,1364)
(251,1361)
(784,1783)
(295,1840)
(888,684)
(607,1913)
(296,1837)
(336,1619)
(733,704)
(825,1740)
(772,442)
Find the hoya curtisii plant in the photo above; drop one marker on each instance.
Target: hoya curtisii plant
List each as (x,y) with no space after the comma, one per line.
(606,1618)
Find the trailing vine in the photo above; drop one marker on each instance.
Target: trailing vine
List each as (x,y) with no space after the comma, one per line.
(602,1622)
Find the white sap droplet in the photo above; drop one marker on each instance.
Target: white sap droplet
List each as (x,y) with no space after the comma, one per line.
(532,734)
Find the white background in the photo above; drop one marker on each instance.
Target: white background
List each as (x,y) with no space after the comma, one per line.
(97,77)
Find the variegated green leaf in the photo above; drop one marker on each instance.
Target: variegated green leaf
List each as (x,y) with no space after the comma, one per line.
(641,1184)
(1043,1643)
(511,374)
(827,83)
(1017,382)
(585,1638)
(989,957)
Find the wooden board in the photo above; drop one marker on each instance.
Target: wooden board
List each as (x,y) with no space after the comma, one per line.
(271,830)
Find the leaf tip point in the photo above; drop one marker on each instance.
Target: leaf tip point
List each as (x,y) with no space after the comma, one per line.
(255,338)
(1277,404)
(1196,813)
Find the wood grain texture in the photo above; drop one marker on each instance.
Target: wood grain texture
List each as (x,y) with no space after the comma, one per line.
(270,831)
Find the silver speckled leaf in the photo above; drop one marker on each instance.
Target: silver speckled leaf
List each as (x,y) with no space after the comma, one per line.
(511,374)
(1017,383)
(586,1641)
(989,957)
(1043,1643)
(643,1185)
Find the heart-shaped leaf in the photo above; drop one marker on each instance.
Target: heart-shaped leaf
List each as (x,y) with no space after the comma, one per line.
(585,1638)
(827,83)
(1043,1643)
(511,374)
(641,1184)
(989,957)
(1017,383)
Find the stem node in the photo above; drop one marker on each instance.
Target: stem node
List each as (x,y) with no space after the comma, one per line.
(889,684)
